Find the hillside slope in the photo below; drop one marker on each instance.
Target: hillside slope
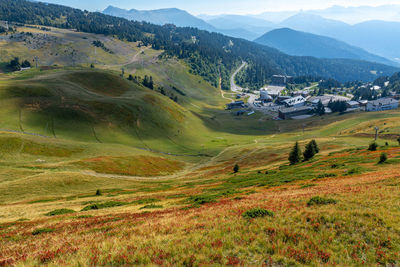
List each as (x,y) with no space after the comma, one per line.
(310,213)
(306,44)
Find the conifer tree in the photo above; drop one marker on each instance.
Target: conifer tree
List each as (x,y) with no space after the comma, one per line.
(236,168)
(320,108)
(310,152)
(316,148)
(295,154)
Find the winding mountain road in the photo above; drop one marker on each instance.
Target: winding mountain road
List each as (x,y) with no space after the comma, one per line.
(235,88)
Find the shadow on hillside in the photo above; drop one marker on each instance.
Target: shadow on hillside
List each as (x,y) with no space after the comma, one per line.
(228,122)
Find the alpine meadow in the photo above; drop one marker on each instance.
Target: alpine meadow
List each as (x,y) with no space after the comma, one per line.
(161,138)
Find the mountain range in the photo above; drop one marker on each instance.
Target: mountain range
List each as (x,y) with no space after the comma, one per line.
(232,25)
(254,27)
(377,37)
(381,38)
(306,44)
(174,16)
(350,15)
(354,15)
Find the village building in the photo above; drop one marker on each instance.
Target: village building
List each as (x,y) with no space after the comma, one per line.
(273,91)
(297,101)
(234,105)
(325,99)
(265,97)
(352,104)
(382,104)
(4,24)
(281,99)
(301,93)
(288,113)
(240,112)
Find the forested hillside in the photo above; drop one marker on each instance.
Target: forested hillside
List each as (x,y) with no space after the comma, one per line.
(210,55)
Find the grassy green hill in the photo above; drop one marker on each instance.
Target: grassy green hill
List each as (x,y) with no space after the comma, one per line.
(108,108)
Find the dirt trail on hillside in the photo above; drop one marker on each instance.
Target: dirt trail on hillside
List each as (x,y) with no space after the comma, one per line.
(133,59)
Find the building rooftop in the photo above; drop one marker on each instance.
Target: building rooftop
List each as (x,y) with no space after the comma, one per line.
(325,99)
(274,90)
(383,101)
(294,100)
(353,103)
(295,109)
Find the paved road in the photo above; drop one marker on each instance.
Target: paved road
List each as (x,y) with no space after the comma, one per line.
(235,88)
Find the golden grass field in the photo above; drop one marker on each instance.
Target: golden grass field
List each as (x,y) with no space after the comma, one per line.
(360,229)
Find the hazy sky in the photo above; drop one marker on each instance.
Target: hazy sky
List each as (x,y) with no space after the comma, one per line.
(220,6)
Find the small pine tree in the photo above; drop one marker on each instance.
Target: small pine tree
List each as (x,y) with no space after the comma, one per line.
(309,152)
(25,64)
(98,192)
(320,108)
(236,168)
(315,145)
(14,64)
(295,154)
(398,140)
(383,158)
(373,146)
(151,83)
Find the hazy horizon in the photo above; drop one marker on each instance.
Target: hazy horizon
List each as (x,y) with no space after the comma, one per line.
(208,7)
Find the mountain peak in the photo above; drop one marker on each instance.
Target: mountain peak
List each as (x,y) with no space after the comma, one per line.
(178,17)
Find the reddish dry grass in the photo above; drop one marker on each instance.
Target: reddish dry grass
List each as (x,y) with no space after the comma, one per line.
(69,235)
(135,166)
(216,233)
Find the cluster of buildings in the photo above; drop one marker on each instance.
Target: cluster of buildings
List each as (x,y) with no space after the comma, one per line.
(296,107)
(301,105)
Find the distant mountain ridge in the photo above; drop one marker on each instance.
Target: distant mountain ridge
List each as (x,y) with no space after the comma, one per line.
(298,43)
(359,14)
(254,27)
(182,18)
(174,16)
(378,37)
(349,15)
